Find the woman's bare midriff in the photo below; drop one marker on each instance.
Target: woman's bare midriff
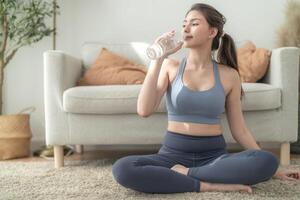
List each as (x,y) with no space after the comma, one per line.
(194,129)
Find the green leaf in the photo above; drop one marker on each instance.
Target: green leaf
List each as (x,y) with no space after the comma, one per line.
(29,21)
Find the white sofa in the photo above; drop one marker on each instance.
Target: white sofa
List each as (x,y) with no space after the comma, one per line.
(107,114)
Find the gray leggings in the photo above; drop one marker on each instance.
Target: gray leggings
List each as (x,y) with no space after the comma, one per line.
(207,160)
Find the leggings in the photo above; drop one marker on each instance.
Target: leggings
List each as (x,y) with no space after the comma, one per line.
(207,160)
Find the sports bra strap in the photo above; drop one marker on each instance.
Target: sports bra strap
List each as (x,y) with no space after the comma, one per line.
(182,64)
(216,72)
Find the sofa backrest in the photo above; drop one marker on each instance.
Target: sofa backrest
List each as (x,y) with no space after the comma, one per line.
(135,51)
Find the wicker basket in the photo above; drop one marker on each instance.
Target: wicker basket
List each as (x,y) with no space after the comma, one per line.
(15,135)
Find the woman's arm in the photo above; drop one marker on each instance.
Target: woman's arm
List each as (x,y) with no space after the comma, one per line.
(247,140)
(235,116)
(241,133)
(156,80)
(148,93)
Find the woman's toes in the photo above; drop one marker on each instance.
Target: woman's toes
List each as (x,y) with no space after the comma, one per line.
(247,189)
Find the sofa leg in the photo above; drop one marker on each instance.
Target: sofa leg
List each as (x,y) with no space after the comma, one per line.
(58,156)
(79,148)
(285,153)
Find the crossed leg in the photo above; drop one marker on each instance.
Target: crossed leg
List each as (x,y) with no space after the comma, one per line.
(152,174)
(246,167)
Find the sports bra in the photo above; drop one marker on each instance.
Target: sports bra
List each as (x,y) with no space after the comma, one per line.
(187,105)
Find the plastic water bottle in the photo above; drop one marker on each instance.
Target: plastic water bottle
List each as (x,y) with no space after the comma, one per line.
(157,49)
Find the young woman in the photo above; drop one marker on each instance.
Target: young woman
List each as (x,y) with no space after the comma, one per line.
(193,157)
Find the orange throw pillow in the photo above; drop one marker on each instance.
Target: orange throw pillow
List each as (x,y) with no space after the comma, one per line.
(113,69)
(253,62)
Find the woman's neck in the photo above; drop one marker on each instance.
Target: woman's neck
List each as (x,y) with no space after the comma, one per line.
(199,58)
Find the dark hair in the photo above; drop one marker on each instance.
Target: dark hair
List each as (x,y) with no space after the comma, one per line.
(227,51)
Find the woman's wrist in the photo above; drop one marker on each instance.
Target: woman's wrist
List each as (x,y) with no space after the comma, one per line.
(161,59)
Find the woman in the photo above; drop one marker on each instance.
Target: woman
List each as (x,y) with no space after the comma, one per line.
(193,157)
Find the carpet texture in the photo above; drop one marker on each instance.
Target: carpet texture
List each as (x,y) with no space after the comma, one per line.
(92,179)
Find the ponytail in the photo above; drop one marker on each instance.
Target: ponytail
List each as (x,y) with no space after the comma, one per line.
(227,55)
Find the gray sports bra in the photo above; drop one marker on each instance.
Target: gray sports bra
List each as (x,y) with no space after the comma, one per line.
(186,105)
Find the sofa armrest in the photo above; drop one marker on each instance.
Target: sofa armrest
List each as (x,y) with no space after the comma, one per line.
(61,71)
(284,67)
(283,72)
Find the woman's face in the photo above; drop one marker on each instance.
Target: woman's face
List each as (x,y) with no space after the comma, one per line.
(195,30)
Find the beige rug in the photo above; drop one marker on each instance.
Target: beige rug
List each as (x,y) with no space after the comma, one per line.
(92,179)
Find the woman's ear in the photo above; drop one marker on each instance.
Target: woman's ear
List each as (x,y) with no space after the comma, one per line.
(213,32)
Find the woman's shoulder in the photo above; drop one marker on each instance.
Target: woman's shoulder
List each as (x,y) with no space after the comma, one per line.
(172,61)
(228,76)
(228,71)
(171,64)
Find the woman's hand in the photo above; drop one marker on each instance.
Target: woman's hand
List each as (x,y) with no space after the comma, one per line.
(288,174)
(178,46)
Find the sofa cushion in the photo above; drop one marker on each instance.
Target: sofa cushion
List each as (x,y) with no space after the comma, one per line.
(104,99)
(253,62)
(118,99)
(260,96)
(112,69)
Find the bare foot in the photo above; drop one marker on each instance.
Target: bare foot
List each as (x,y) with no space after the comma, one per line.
(209,187)
(180,169)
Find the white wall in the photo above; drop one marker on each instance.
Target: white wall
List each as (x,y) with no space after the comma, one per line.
(124,21)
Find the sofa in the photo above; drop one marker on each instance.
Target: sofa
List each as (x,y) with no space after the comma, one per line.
(107,114)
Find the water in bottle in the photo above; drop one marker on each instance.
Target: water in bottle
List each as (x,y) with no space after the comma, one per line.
(157,49)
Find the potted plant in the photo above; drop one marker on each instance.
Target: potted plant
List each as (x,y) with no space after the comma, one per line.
(21,23)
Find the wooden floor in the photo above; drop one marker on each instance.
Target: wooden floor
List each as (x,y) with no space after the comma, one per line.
(108,153)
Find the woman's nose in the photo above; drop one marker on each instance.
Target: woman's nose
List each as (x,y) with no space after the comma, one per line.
(186,29)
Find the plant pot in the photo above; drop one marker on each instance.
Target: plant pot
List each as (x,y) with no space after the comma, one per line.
(15,136)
